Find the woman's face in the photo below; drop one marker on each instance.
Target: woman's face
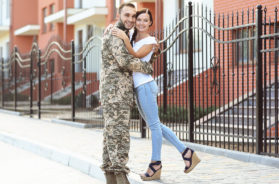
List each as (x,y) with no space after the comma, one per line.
(143,22)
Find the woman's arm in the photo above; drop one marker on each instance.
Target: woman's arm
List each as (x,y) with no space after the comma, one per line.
(143,51)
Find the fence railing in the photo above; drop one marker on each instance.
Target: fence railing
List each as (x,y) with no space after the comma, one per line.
(217,77)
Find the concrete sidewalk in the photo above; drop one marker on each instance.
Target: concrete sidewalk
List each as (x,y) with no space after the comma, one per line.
(22,167)
(81,149)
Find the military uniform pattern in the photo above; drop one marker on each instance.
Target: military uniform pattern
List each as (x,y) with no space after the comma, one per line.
(116,143)
(116,92)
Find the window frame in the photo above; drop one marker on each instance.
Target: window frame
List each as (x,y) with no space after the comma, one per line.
(250,44)
(44,25)
(51,11)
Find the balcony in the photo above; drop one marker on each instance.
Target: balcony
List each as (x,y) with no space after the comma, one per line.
(28,30)
(59,16)
(95,15)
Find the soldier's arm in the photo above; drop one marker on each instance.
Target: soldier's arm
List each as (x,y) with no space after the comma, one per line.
(126,60)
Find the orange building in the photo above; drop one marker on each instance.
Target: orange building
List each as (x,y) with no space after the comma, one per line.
(32,25)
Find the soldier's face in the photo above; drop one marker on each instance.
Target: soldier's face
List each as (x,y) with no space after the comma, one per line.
(128,16)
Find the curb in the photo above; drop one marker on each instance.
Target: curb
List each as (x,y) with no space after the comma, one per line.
(10,112)
(236,155)
(71,123)
(81,163)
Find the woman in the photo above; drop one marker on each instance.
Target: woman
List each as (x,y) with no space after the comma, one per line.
(140,46)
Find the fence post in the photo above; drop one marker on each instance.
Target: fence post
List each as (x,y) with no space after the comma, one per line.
(84,83)
(39,83)
(259,82)
(2,78)
(31,82)
(165,80)
(15,75)
(51,80)
(190,75)
(73,81)
(142,127)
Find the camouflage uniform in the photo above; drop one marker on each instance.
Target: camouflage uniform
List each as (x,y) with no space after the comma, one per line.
(116,89)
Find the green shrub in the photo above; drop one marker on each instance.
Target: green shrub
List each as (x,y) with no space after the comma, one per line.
(11,96)
(94,101)
(135,112)
(79,100)
(176,113)
(62,101)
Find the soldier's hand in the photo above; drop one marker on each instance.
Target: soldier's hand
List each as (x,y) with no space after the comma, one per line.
(108,29)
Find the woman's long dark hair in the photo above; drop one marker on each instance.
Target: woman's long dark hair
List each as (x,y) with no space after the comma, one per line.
(137,14)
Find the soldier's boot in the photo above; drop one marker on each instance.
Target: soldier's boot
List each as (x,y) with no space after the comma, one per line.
(110,178)
(121,178)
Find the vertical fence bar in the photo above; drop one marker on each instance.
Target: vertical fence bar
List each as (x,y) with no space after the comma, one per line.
(73,80)
(31,82)
(15,78)
(2,77)
(165,79)
(142,127)
(39,84)
(190,75)
(276,81)
(259,90)
(265,85)
(51,80)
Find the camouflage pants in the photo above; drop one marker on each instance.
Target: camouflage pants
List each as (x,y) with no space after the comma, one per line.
(116,143)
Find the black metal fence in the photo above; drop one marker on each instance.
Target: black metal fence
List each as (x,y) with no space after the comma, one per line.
(217,77)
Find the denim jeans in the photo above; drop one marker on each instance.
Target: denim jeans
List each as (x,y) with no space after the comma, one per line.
(147,104)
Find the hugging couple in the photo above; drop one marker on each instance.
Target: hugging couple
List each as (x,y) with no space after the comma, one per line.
(128,52)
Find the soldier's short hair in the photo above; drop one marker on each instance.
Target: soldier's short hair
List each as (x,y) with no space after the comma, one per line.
(125,4)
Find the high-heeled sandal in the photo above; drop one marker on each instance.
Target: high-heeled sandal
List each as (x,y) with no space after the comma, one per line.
(156,173)
(194,160)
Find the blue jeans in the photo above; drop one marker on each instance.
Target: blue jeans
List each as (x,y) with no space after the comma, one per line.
(148,108)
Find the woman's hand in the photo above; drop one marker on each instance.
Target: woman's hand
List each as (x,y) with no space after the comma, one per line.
(119,33)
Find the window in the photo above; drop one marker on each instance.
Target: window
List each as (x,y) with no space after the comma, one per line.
(51,11)
(8,9)
(80,47)
(197,42)
(90,31)
(79,3)
(245,50)
(44,29)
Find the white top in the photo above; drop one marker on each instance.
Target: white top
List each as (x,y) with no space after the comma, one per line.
(142,78)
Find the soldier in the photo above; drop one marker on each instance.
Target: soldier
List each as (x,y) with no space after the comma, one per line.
(116,89)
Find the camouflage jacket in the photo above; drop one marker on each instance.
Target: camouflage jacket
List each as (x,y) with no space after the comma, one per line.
(116,82)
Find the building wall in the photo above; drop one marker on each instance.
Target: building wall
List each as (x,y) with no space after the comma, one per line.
(221,6)
(18,20)
(43,38)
